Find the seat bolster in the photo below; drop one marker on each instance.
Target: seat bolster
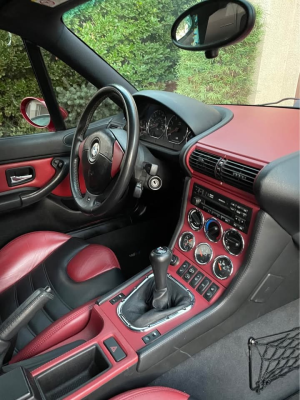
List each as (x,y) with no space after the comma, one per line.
(23,254)
(150,393)
(62,329)
(91,261)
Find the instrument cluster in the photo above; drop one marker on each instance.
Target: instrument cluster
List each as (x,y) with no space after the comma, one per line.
(160,126)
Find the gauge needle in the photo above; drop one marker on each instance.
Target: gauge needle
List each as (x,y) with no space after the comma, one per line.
(220,268)
(201,254)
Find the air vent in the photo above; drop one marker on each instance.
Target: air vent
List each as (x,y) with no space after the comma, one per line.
(233,173)
(204,162)
(238,175)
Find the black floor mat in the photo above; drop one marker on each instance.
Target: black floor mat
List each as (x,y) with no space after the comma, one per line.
(221,370)
(132,245)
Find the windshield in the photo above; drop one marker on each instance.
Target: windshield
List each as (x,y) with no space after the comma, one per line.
(133,36)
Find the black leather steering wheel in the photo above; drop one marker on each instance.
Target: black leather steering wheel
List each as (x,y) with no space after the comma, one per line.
(107,168)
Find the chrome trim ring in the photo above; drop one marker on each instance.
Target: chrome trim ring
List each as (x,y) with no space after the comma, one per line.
(221,228)
(192,210)
(212,253)
(243,242)
(161,321)
(213,267)
(194,241)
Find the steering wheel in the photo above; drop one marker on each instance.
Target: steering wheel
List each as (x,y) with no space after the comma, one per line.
(107,168)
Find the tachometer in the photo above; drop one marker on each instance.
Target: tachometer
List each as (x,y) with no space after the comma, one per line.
(157,124)
(176,130)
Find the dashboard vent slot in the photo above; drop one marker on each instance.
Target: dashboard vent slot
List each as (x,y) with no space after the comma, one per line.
(233,173)
(203,162)
(238,175)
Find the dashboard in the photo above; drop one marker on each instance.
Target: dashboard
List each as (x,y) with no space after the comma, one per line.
(163,127)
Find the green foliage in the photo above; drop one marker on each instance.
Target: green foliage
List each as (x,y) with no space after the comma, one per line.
(225,79)
(131,35)
(134,37)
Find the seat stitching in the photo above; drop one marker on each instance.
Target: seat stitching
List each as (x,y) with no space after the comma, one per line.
(42,309)
(53,288)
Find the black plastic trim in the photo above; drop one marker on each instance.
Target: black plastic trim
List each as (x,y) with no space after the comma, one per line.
(45,84)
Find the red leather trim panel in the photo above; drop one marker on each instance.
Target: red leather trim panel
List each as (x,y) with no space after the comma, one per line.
(117,159)
(107,329)
(65,327)
(150,393)
(43,173)
(24,253)
(93,260)
(258,133)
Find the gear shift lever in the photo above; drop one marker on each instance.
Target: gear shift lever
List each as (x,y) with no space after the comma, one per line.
(160,259)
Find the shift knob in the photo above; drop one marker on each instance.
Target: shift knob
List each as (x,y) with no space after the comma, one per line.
(160,259)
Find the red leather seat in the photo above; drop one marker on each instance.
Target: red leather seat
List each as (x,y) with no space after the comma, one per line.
(78,273)
(153,393)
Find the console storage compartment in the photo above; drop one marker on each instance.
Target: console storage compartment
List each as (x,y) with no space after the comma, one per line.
(66,377)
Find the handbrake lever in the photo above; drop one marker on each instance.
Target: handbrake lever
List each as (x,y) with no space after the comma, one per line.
(20,317)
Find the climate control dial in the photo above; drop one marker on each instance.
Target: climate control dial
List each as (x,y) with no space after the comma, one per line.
(196,219)
(233,242)
(213,230)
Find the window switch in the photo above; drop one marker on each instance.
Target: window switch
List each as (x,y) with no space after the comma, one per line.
(181,270)
(203,285)
(211,292)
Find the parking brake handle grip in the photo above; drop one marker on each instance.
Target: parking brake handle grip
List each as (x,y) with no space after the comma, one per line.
(21,316)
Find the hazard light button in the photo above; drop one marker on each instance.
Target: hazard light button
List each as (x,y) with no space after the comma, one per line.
(114,349)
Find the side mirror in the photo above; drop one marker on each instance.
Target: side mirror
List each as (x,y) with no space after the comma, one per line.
(213,24)
(35,112)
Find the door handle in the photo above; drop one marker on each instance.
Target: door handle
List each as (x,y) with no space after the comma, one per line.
(19,179)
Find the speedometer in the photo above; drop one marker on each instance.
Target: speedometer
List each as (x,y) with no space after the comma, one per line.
(157,124)
(176,130)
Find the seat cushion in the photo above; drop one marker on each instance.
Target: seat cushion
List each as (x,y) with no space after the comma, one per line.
(151,393)
(76,272)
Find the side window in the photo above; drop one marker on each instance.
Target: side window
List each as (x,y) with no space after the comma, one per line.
(17,81)
(73,92)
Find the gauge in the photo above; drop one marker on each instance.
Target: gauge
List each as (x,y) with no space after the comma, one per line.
(157,124)
(143,127)
(213,230)
(233,242)
(187,241)
(222,267)
(196,219)
(203,253)
(176,130)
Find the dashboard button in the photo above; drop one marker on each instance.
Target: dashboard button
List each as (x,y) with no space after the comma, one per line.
(181,270)
(203,285)
(192,270)
(187,276)
(211,292)
(197,278)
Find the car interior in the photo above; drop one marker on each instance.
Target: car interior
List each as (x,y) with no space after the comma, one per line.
(152,253)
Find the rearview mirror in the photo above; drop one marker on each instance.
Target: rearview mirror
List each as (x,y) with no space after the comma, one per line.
(35,112)
(213,24)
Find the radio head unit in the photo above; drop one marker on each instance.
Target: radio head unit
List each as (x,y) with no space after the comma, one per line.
(233,213)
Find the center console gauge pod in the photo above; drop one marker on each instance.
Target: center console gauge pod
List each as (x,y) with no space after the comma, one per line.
(186,241)
(222,267)
(213,230)
(203,253)
(195,219)
(233,242)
